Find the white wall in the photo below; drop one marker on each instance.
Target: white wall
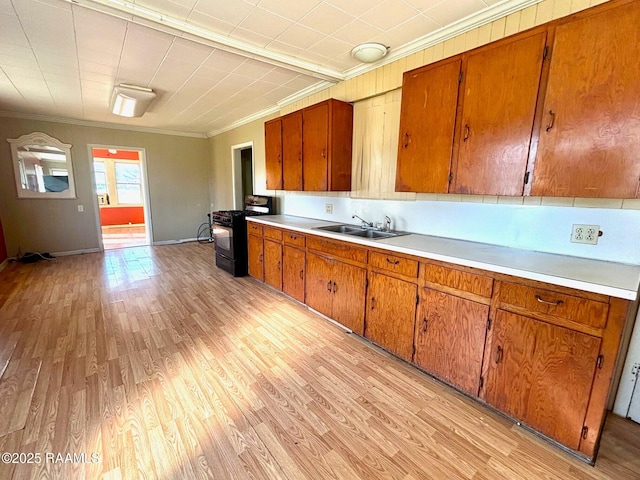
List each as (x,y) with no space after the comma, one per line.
(541,228)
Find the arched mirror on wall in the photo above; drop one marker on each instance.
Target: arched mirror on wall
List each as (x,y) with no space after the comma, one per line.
(42,167)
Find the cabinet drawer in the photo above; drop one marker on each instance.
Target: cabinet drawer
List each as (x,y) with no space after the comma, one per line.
(274,233)
(400,265)
(254,228)
(459,280)
(338,249)
(293,238)
(538,300)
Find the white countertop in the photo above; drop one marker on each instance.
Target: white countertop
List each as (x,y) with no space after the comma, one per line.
(597,276)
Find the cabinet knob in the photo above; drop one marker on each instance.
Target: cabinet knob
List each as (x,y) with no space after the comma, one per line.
(467,130)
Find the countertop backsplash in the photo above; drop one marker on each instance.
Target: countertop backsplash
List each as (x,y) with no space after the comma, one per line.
(539,228)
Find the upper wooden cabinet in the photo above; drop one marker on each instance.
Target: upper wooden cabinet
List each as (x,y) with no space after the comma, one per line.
(498,97)
(292,151)
(427,120)
(313,152)
(589,142)
(273,153)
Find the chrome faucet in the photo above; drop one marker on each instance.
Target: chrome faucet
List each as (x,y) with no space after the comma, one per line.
(387,224)
(365,224)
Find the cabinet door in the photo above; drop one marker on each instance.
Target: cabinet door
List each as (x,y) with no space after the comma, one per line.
(541,374)
(349,286)
(500,90)
(589,135)
(273,263)
(450,337)
(255,257)
(391,308)
(315,141)
(293,260)
(319,287)
(427,120)
(273,153)
(292,151)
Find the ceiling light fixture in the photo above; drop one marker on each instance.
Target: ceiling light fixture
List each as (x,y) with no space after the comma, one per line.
(131,101)
(369,52)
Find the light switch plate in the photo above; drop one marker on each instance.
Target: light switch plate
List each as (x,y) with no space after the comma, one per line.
(328,208)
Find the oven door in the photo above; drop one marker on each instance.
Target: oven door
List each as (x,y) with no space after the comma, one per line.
(223,238)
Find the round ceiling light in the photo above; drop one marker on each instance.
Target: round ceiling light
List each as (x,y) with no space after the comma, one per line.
(369,52)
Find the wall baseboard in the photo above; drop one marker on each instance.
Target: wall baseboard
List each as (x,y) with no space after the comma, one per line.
(174,242)
(76,252)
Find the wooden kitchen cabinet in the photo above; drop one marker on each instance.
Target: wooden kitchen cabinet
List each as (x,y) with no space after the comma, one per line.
(273,263)
(337,290)
(542,375)
(292,151)
(293,271)
(449,336)
(498,94)
(427,120)
(255,253)
(273,153)
(588,144)
(390,318)
(327,131)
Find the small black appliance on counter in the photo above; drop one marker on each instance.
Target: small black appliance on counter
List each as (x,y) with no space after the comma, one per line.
(230,233)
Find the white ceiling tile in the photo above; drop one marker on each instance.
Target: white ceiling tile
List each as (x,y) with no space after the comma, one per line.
(330,47)
(287,49)
(445,13)
(388,14)
(97,67)
(422,5)
(288,9)
(326,19)
(211,23)
(410,30)
(6,8)
(171,75)
(230,11)
(265,23)
(62,77)
(353,7)
(27,61)
(300,82)
(189,53)
(251,37)
(104,58)
(280,76)
(172,9)
(223,60)
(254,69)
(11,32)
(299,36)
(357,32)
(99,33)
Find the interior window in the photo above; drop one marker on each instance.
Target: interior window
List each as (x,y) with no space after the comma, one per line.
(128,183)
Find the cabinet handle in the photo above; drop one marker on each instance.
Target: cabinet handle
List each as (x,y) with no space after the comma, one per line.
(393,262)
(260,258)
(329,286)
(407,140)
(335,287)
(279,158)
(467,130)
(498,354)
(546,302)
(552,119)
(373,303)
(424,324)
(324,153)
(301,274)
(278,265)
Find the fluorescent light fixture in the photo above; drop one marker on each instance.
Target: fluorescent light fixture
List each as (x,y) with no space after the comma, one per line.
(131,101)
(369,52)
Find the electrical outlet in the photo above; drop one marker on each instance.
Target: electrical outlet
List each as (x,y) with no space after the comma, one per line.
(81,208)
(328,208)
(585,234)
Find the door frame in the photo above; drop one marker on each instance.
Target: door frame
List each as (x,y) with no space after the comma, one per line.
(236,173)
(142,154)
(624,395)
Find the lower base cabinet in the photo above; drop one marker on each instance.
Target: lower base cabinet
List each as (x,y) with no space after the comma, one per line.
(255,252)
(337,290)
(391,309)
(293,271)
(273,263)
(541,374)
(450,338)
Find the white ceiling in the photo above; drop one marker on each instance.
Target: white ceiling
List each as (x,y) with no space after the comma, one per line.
(212,63)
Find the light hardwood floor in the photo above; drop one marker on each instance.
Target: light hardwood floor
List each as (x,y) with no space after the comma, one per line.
(168,368)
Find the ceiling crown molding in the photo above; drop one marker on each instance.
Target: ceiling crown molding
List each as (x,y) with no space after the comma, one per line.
(159,21)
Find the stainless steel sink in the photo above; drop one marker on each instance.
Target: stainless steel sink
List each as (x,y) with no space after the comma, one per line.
(341,228)
(356,231)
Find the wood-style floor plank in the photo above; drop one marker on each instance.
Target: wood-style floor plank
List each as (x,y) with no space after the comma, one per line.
(166,367)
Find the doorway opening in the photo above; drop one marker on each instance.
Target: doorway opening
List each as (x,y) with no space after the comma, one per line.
(242,168)
(122,200)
